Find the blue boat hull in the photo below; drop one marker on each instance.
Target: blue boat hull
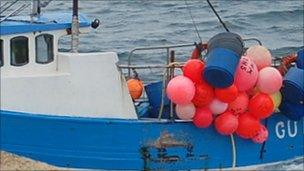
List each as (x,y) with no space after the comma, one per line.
(142,144)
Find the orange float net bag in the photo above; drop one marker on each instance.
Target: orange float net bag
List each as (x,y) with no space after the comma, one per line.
(135,86)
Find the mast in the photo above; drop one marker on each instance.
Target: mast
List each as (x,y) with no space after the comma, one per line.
(75,28)
(36,8)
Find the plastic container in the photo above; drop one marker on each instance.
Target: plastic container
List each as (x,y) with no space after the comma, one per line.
(166,112)
(227,40)
(293,86)
(291,110)
(220,67)
(300,59)
(154,93)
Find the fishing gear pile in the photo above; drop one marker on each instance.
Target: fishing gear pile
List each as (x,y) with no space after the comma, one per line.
(232,88)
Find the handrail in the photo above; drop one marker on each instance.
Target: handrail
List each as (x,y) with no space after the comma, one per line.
(167,47)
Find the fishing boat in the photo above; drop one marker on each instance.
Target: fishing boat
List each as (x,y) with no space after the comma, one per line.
(74,110)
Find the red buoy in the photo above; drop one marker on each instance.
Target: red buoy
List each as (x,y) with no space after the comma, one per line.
(203,95)
(202,118)
(226,123)
(248,126)
(228,94)
(193,69)
(261,106)
(262,135)
(240,104)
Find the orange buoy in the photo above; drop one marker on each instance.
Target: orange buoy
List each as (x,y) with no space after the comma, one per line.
(135,87)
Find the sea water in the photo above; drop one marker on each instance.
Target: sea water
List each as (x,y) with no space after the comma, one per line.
(126,25)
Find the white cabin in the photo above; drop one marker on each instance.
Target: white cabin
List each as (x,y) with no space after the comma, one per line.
(37,79)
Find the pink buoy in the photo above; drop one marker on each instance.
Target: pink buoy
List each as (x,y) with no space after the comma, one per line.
(202,118)
(240,104)
(260,56)
(262,135)
(226,123)
(270,80)
(246,74)
(217,107)
(185,112)
(180,90)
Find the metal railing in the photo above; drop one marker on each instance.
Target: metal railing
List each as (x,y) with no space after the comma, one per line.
(167,48)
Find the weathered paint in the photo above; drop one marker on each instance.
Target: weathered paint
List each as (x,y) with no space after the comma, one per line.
(98,143)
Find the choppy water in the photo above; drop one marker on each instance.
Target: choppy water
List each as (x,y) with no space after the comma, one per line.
(129,24)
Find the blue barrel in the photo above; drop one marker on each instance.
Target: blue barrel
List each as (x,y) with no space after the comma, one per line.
(166,112)
(221,65)
(291,110)
(227,40)
(154,93)
(293,85)
(300,59)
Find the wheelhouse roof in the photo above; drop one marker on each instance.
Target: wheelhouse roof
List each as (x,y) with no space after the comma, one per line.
(45,22)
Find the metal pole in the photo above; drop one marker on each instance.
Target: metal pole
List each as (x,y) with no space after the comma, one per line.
(36,8)
(172,59)
(75,28)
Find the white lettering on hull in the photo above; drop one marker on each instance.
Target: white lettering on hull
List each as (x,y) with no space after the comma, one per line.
(280,133)
(295,129)
(290,129)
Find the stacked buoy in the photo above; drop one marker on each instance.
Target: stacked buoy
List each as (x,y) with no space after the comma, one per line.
(234,89)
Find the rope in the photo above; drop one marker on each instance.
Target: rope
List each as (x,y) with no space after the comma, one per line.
(193,22)
(173,64)
(218,17)
(233,151)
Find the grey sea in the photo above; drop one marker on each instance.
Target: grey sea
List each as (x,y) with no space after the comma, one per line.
(125,25)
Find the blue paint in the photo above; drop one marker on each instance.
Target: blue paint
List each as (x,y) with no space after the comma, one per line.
(220,67)
(154,93)
(300,59)
(130,144)
(293,111)
(293,85)
(45,22)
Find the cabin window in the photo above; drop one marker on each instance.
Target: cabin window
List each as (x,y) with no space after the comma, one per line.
(19,51)
(44,48)
(1,53)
